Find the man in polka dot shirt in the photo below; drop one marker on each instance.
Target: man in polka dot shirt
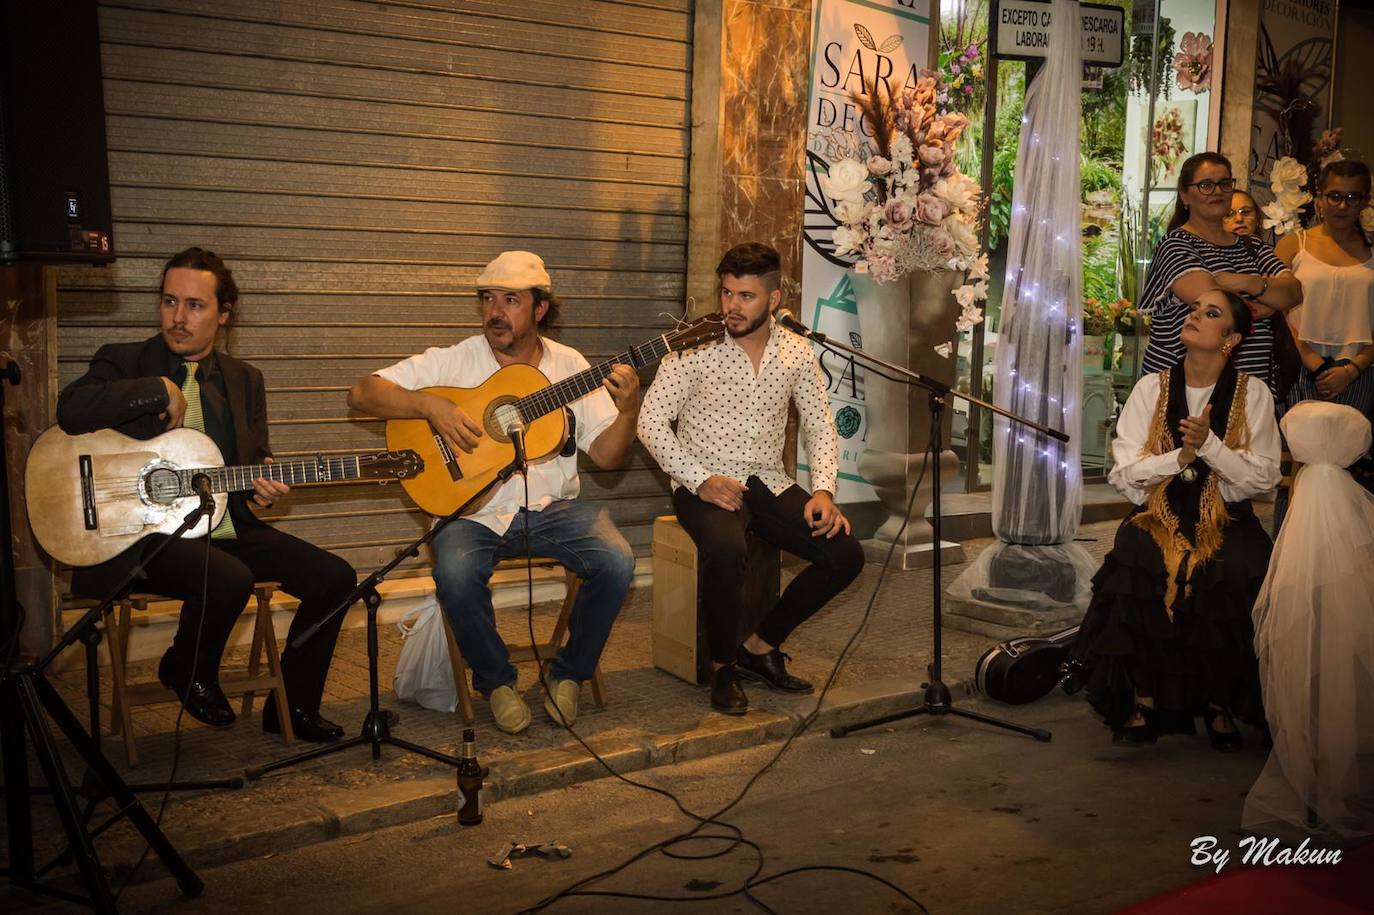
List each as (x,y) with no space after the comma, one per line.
(729,400)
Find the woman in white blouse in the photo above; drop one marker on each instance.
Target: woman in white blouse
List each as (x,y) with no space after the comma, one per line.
(1168,634)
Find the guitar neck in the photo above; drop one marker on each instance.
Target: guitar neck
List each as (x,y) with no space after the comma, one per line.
(299,472)
(559,395)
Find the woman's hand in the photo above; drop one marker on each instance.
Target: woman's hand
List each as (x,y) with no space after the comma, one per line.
(1335,380)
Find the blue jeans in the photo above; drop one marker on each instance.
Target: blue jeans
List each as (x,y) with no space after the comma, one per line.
(576,533)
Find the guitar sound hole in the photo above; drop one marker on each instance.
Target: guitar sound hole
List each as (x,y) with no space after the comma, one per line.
(163,486)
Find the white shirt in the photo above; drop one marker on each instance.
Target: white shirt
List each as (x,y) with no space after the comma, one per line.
(731,421)
(1240,474)
(471,362)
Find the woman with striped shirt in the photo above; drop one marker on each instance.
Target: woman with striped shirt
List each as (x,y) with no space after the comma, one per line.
(1199,259)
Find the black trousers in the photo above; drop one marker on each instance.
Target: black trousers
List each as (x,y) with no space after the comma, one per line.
(318,578)
(719,537)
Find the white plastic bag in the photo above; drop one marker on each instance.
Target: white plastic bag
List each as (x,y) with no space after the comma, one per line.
(424,674)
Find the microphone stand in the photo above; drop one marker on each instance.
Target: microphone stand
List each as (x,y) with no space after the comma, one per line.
(376,729)
(25,695)
(937,699)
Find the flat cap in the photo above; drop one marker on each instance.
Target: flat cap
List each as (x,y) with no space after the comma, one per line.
(515,270)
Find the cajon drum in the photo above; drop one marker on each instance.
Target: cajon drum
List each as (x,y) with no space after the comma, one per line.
(679,632)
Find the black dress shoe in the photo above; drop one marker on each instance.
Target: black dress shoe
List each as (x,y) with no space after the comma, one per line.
(203,701)
(1222,741)
(309,726)
(770,670)
(726,694)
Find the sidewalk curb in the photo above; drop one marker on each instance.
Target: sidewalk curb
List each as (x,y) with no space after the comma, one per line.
(213,841)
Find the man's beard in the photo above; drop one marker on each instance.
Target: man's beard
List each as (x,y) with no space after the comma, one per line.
(505,346)
(749,329)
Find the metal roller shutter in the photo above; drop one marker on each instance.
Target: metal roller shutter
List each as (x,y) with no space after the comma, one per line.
(357,163)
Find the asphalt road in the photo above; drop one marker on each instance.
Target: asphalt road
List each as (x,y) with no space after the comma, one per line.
(963,818)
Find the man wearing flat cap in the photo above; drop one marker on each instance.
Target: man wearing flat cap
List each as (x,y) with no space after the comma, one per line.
(517,303)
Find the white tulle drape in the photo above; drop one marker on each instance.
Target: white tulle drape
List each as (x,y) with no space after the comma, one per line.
(1314,635)
(1037,490)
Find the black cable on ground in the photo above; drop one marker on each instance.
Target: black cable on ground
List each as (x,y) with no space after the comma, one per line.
(736,836)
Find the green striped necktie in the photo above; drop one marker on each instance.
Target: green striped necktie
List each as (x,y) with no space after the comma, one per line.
(195,419)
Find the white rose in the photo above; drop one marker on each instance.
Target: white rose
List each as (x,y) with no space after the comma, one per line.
(847,241)
(847,181)
(1294,200)
(850,212)
(965,238)
(964,296)
(1288,171)
(1367,220)
(954,192)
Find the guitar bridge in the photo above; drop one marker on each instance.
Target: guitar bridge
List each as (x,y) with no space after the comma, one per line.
(88,513)
(450,459)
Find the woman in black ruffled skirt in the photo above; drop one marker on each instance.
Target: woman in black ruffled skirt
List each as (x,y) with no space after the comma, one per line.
(1168,635)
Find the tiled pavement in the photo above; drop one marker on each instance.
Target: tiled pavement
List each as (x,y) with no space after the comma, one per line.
(651,718)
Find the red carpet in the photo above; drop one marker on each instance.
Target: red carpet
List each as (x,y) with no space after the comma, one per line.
(1308,889)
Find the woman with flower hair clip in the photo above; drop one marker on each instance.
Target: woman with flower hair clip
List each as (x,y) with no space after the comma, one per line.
(1168,635)
(1334,324)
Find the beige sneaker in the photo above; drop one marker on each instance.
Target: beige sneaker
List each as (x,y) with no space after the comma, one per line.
(510,711)
(563,693)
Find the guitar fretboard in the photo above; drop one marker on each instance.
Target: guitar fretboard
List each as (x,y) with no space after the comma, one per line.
(574,387)
(240,477)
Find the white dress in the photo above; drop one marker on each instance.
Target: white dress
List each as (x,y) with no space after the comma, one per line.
(1314,636)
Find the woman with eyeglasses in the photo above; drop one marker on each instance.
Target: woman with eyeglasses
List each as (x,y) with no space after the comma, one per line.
(1335,264)
(1243,217)
(1199,260)
(1168,635)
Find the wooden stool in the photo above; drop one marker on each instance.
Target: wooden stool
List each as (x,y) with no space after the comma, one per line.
(247,681)
(522,653)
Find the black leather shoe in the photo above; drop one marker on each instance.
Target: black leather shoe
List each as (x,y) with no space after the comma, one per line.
(770,670)
(1222,741)
(726,694)
(203,701)
(309,726)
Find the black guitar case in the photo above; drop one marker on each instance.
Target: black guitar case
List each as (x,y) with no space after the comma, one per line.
(1025,669)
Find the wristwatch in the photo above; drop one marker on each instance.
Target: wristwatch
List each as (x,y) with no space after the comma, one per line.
(1253,296)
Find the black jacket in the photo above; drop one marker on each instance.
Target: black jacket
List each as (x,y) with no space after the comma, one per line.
(123,390)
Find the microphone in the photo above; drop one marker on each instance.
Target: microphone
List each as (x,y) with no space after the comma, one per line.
(200,482)
(786,320)
(516,431)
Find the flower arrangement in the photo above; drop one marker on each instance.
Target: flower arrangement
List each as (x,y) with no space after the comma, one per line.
(903,204)
(1101,318)
(1193,62)
(961,78)
(1166,142)
(1287,179)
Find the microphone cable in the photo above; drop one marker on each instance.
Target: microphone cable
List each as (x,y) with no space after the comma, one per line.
(181,712)
(735,835)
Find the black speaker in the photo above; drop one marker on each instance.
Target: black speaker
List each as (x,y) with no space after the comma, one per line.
(54,178)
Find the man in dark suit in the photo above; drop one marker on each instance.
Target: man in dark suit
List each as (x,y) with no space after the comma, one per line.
(178,378)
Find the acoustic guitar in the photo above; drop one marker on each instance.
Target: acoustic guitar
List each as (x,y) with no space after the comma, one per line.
(514,392)
(92,496)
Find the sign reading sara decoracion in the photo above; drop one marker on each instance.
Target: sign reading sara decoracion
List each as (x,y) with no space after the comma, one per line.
(1021,31)
(855,44)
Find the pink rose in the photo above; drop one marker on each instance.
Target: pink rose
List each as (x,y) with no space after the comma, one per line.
(932,156)
(899,215)
(879,166)
(931,209)
(941,242)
